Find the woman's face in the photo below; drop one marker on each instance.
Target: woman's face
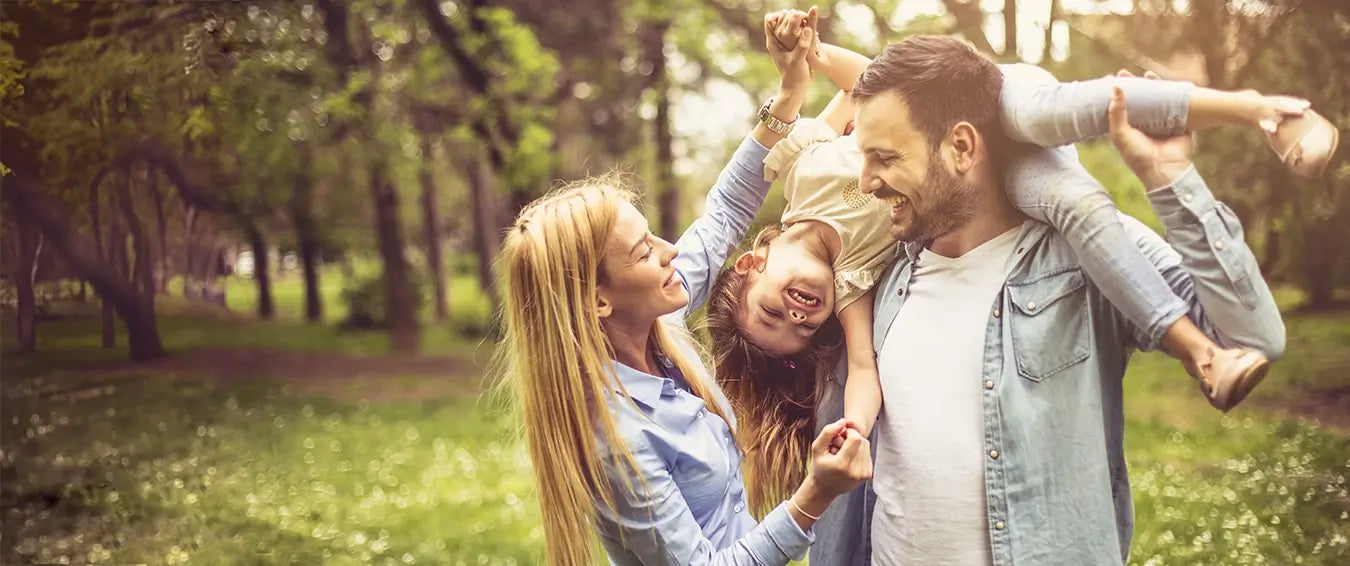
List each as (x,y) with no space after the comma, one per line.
(789,295)
(638,281)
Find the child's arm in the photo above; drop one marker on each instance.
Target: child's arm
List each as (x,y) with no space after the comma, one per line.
(843,68)
(862,391)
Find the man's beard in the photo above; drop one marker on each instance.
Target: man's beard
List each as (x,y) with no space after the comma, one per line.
(948,203)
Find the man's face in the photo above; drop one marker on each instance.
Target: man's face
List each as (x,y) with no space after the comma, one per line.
(900,167)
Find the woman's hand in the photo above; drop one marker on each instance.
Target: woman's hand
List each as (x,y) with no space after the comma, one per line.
(833,473)
(790,37)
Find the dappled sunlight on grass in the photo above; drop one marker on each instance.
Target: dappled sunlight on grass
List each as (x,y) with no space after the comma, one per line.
(180,467)
(159,470)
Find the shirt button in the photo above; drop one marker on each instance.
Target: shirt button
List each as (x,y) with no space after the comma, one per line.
(738,508)
(700,414)
(999,525)
(1187,198)
(989,384)
(997,312)
(1031,306)
(1218,245)
(993,454)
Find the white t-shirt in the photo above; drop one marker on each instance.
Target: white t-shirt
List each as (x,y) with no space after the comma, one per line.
(929,475)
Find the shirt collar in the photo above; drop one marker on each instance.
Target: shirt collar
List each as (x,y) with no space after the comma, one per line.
(644,387)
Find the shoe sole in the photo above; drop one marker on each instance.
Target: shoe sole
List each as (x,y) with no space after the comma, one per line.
(1246,383)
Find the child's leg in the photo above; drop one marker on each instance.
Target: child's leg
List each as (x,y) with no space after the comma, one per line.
(1038,109)
(1051,185)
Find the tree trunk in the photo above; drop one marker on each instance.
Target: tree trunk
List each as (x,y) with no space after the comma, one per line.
(1209,21)
(970,22)
(189,265)
(1050,33)
(29,241)
(486,225)
(162,272)
(103,254)
(83,296)
(306,235)
(668,202)
(260,273)
(431,232)
(117,251)
(1010,31)
(309,261)
(403,330)
(142,274)
(27,196)
(1270,260)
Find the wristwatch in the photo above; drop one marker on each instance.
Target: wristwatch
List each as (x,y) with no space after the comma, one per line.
(772,122)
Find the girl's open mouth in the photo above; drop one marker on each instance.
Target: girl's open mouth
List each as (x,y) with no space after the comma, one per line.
(806,300)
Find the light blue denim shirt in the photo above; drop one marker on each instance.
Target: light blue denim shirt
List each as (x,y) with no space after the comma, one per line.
(1055,358)
(690,504)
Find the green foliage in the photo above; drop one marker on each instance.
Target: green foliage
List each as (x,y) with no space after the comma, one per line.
(365,299)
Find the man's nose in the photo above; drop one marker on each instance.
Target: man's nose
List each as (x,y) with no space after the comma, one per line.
(869,183)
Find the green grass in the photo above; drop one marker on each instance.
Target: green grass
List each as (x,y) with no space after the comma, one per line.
(179,469)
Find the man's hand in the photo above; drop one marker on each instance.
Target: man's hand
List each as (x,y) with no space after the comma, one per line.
(790,36)
(1156,161)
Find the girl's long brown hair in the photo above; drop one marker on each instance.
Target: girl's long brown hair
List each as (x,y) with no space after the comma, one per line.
(774,398)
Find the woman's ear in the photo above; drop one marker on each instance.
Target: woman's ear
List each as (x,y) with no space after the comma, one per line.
(603,308)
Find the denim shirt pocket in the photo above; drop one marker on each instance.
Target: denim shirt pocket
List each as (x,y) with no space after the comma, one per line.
(1049,322)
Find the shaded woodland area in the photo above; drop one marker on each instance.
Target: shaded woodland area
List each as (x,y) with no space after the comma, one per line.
(148,145)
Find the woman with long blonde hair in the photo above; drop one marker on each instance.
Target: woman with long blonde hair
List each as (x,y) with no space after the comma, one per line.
(629,437)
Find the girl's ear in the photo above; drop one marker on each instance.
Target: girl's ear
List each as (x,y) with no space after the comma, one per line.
(746,262)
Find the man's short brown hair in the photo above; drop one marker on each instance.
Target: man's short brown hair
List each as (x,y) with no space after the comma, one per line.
(943,81)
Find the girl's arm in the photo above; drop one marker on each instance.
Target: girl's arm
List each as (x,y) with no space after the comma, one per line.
(842,66)
(862,390)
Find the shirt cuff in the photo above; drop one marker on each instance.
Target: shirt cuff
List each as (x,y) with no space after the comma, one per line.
(1185,199)
(791,540)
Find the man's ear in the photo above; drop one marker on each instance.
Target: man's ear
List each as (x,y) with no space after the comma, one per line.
(962,147)
(746,262)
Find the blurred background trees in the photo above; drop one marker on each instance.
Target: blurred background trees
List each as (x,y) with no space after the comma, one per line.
(375,148)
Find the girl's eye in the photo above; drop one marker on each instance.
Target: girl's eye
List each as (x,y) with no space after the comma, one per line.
(649,252)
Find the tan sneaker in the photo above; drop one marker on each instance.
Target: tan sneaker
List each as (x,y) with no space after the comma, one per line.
(1231,374)
(1305,143)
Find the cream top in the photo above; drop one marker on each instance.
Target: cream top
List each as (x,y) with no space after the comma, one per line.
(820,171)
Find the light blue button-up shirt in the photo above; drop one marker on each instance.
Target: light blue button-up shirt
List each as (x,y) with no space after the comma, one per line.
(689,505)
(1055,355)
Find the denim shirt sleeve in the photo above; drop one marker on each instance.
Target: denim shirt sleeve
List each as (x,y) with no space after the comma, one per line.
(730,207)
(653,525)
(1209,265)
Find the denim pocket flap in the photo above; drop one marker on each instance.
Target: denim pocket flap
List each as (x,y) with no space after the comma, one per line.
(1034,296)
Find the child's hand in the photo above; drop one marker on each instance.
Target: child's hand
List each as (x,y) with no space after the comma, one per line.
(838,441)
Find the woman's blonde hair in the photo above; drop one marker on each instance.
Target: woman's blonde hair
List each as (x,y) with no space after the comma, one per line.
(556,359)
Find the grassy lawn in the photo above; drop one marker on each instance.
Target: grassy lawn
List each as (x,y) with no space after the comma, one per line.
(170,467)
